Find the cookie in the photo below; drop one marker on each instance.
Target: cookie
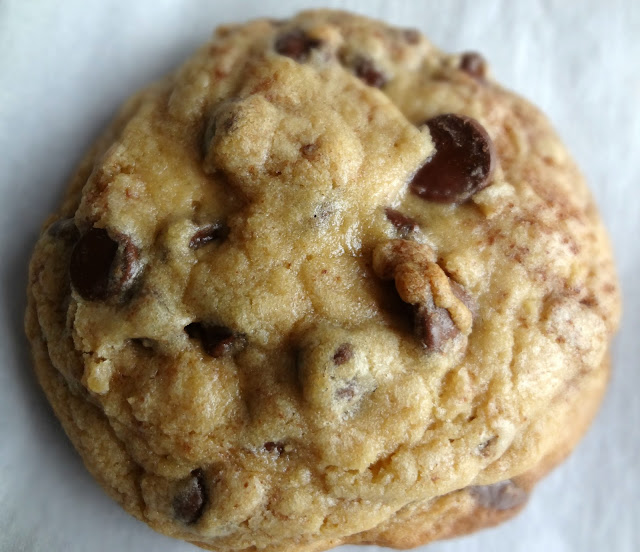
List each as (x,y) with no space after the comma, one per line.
(324,284)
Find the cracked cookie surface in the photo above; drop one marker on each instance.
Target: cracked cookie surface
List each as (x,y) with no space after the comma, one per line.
(324,284)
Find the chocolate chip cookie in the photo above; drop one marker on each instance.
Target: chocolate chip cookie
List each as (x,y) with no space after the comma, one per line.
(324,284)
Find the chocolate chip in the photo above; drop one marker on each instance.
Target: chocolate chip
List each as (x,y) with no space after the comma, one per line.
(343,354)
(194,330)
(403,223)
(191,498)
(367,71)
(434,327)
(213,232)
(274,447)
(462,163)
(102,267)
(474,64)
(296,44)
(64,229)
(217,341)
(503,495)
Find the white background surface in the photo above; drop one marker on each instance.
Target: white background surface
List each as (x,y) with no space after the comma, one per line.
(66,66)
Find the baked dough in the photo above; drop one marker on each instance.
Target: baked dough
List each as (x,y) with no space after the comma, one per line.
(324,284)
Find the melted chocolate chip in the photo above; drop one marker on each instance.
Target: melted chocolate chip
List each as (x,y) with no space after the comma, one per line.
(403,223)
(274,447)
(367,71)
(216,231)
(434,327)
(191,499)
(102,267)
(462,163)
(343,354)
(217,341)
(503,495)
(296,44)
(64,229)
(474,64)
(91,261)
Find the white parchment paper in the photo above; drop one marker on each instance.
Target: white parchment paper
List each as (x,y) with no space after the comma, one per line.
(66,66)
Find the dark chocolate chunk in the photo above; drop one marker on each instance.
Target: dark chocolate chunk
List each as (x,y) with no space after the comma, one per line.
(191,498)
(64,229)
(217,341)
(404,224)
(213,232)
(296,44)
(474,64)
(367,71)
(503,495)
(277,448)
(434,327)
(102,267)
(343,354)
(91,261)
(194,330)
(462,163)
